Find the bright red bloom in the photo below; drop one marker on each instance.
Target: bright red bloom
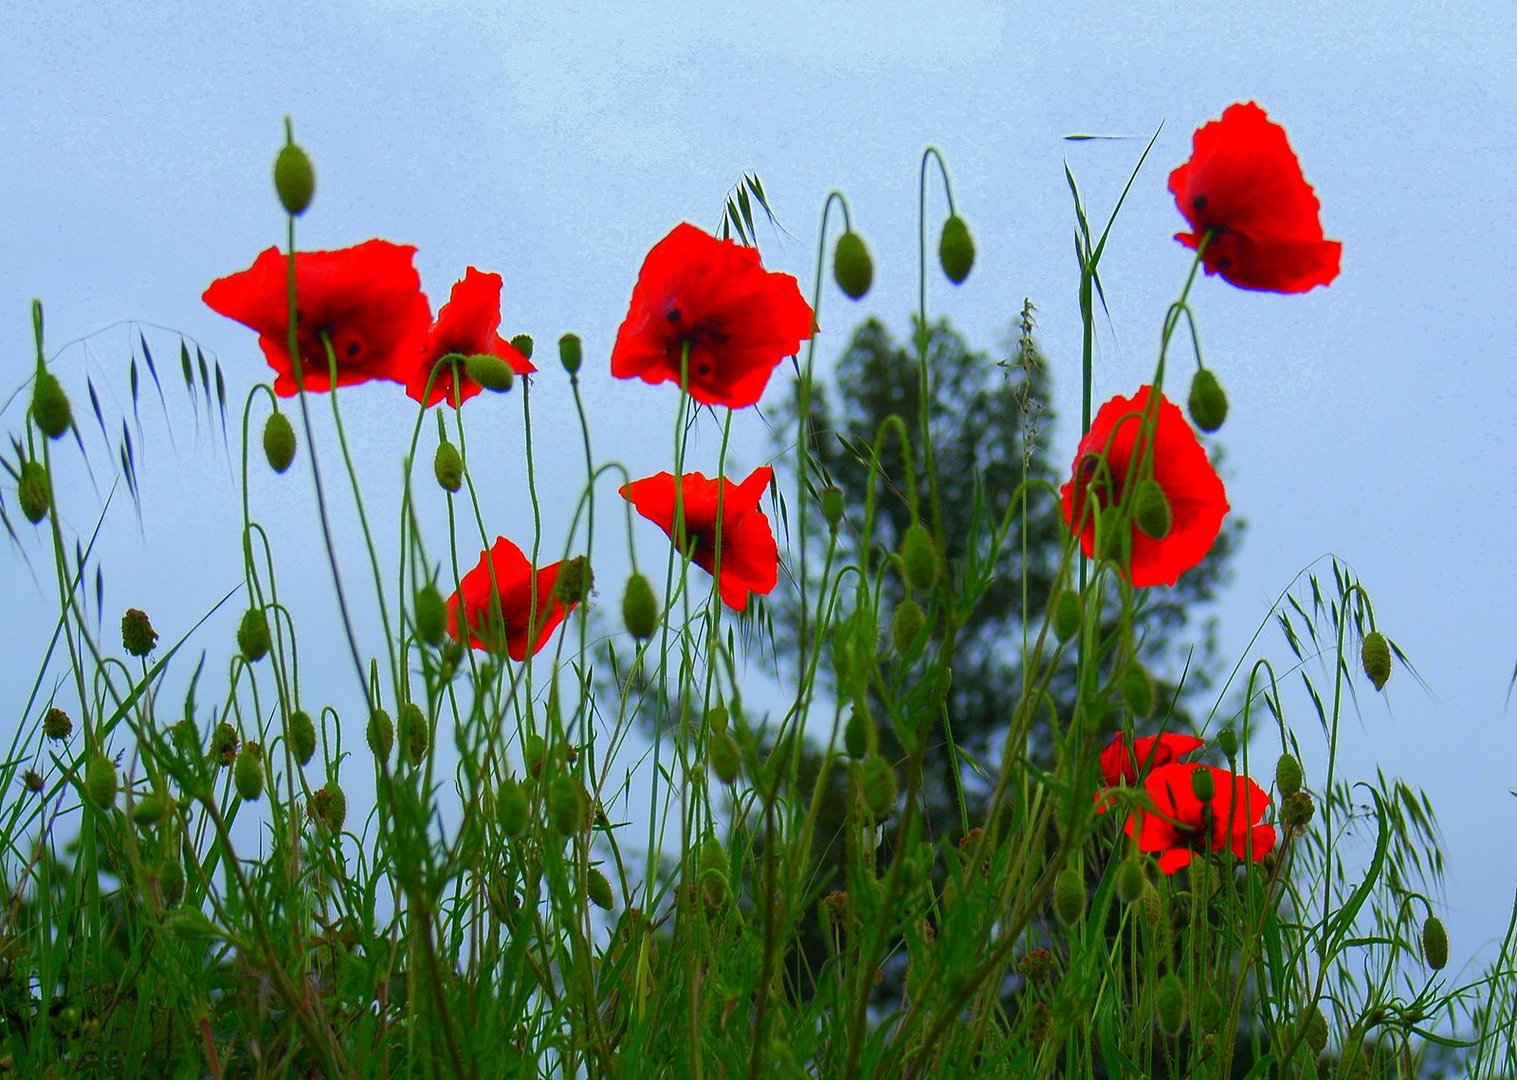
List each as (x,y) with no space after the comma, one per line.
(1121,765)
(750,557)
(502,612)
(1181,824)
(1243,184)
(366,300)
(469,323)
(738,319)
(1197,500)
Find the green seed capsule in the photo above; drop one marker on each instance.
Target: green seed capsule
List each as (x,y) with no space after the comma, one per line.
(1375,655)
(919,558)
(33,491)
(1227,742)
(852,267)
(448,467)
(1068,614)
(1069,895)
(1207,402)
(570,353)
(956,250)
(1202,784)
(906,624)
(294,179)
(1170,1004)
(833,506)
(278,441)
(522,343)
(639,608)
(50,408)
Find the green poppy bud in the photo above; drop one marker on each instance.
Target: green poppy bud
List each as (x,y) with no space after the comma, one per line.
(1288,775)
(906,624)
(716,718)
(171,882)
(56,725)
(247,774)
(522,343)
(833,506)
(431,615)
(1207,403)
(33,491)
(489,371)
(1130,881)
(712,868)
(415,733)
(1435,943)
(1375,655)
(877,781)
(137,634)
(294,179)
(1153,905)
(852,267)
(1151,511)
(253,635)
(1203,784)
(566,805)
(570,353)
(100,781)
(302,736)
(1069,895)
(639,608)
(1296,809)
(1227,742)
(598,890)
(1068,614)
(1170,1004)
(956,250)
(50,408)
(1315,1025)
(381,734)
(329,806)
(278,441)
(511,807)
(859,737)
(919,558)
(448,467)
(725,758)
(1138,690)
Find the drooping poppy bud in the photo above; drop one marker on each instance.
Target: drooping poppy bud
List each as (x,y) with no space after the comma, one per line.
(570,353)
(448,467)
(1375,655)
(713,871)
(1151,512)
(724,756)
(905,624)
(1138,690)
(877,780)
(253,635)
(50,408)
(1207,402)
(415,733)
(511,807)
(598,889)
(1170,1004)
(919,558)
(852,267)
(381,734)
(100,781)
(431,614)
(1435,943)
(247,774)
(171,882)
(294,179)
(956,250)
(639,608)
(1130,881)
(137,634)
(150,810)
(302,736)
(566,805)
(1069,895)
(278,441)
(1288,775)
(490,371)
(33,491)
(859,737)
(1068,614)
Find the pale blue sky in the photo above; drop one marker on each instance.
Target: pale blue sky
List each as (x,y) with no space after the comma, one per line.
(556,143)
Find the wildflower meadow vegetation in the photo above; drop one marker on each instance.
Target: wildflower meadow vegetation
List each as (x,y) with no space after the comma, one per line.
(707,800)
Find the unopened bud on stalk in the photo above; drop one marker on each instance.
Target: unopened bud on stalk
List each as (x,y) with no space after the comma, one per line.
(431,615)
(294,179)
(50,408)
(1138,690)
(534,751)
(1151,510)
(713,871)
(33,491)
(247,774)
(1207,403)
(1170,1004)
(448,467)
(1203,784)
(1153,905)
(859,737)
(511,807)
(1068,614)
(1130,881)
(574,579)
(490,371)
(171,882)
(381,734)
(1288,775)
(137,634)
(852,267)
(100,782)
(278,441)
(1315,1025)
(716,719)
(302,736)
(956,250)
(724,756)
(598,889)
(1375,655)
(1435,943)
(919,557)
(1069,895)
(639,608)
(253,635)
(566,806)
(905,624)
(415,733)
(877,780)
(570,353)
(329,806)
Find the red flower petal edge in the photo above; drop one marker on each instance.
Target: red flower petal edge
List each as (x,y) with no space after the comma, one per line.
(1181,824)
(1244,185)
(366,300)
(469,323)
(750,556)
(498,614)
(1197,499)
(738,319)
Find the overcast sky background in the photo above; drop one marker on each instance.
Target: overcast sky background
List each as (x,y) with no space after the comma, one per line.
(556,143)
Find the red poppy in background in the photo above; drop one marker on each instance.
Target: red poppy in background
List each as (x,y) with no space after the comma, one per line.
(1197,500)
(1123,765)
(1182,824)
(738,319)
(366,300)
(750,557)
(499,614)
(1243,184)
(469,323)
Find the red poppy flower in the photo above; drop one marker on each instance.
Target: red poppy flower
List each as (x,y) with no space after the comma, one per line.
(469,323)
(501,612)
(366,300)
(1244,185)
(1123,765)
(750,557)
(738,319)
(1182,824)
(1197,500)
